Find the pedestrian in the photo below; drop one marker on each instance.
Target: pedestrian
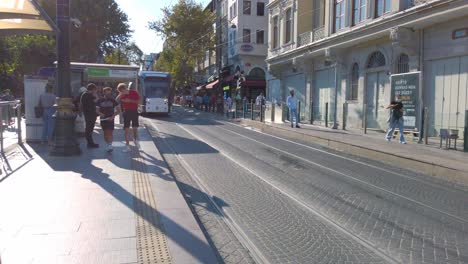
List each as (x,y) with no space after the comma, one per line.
(199,102)
(213,102)
(396,119)
(292,103)
(206,101)
(129,100)
(259,103)
(228,105)
(107,110)
(219,103)
(88,108)
(47,102)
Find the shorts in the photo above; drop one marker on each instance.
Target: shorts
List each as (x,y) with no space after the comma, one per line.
(130,116)
(107,125)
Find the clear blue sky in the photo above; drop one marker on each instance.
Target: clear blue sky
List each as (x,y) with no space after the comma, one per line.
(139,13)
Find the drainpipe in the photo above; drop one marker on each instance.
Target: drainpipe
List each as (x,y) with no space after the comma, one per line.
(421,93)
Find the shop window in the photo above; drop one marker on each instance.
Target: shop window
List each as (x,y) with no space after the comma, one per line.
(376,59)
(403,64)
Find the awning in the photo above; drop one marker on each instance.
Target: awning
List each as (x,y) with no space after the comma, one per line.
(254,83)
(201,87)
(212,84)
(24,17)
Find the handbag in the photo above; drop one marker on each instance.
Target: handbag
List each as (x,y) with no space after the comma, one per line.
(39,110)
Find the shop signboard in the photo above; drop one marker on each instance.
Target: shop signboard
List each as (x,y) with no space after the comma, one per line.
(111,73)
(406,86)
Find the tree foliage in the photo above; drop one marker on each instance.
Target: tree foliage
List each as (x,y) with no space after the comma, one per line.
(125,55)
(188,30)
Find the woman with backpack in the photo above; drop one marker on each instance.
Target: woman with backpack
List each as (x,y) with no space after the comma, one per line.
(396,120)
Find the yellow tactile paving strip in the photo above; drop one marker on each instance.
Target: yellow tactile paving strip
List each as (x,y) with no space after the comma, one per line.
(151,242)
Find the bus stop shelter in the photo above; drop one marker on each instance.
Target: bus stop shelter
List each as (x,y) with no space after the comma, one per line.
(19,17)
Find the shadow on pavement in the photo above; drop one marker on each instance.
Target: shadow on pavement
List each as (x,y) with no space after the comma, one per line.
(84,166)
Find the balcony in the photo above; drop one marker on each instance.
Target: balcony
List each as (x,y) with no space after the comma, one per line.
(418,2)
(284,48)
(311,36)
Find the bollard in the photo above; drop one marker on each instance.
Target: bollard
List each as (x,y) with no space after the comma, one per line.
(345,115)
(261,113)
(426,125)
(298,112)
(273,107)
(326,114)
(365,118)
(311,113)
(251,110)
(465,138)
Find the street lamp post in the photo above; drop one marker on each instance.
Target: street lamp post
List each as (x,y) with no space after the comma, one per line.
(65,143)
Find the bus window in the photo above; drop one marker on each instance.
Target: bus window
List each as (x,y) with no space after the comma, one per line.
(156,87)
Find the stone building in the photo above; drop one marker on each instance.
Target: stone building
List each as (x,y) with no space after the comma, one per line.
(344,54)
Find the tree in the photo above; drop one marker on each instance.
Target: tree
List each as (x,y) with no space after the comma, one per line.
(104,27)
(125,55)
(188,30)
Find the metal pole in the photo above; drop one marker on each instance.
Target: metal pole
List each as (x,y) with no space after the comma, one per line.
(335,105)
(65,143)
(365,118)
(1,129)
(299,112)
(243,108)
(426,125)
(311,113)
(273,109)
(465,134)
(252,109)
(326,114)
(345,115)
(18,120)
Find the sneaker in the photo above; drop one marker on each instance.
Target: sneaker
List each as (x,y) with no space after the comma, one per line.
(387,139)
(93,145)
(403,142)
(297,126)
(127,149)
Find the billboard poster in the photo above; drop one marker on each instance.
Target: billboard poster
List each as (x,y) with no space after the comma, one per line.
(406,86)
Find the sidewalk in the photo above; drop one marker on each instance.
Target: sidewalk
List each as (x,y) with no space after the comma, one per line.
(98,208)
(447,165)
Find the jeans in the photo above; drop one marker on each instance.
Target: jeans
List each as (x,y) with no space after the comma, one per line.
(396,124)
(293,115)
(90,121)
(49,124)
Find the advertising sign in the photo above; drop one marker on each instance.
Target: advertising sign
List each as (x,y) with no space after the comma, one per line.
(108,73)
(247,48)
(406,86)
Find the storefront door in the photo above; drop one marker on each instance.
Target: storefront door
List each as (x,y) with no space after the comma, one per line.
(377,115)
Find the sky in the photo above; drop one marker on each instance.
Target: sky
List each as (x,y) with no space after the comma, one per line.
(140,12)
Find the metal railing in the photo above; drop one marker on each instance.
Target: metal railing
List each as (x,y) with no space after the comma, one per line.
(10,124)
(417,2)
(311,36)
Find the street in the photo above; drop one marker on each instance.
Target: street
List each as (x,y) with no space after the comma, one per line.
(289,202)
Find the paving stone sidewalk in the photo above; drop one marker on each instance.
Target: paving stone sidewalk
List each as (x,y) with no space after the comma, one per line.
(98,208)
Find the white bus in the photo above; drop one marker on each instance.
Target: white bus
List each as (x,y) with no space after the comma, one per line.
(154,88)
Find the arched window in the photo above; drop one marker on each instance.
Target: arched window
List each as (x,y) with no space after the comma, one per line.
(288,36)
(376,59)
(257,73)
(403,63)
(353,95)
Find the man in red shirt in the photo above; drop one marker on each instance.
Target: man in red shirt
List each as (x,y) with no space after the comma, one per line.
(129,102)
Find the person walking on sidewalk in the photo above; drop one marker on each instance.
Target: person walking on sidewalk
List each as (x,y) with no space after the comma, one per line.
(396,120)
(47,102)
(129,100)
(107,110)
(259,103)
(88,107)
(292,103)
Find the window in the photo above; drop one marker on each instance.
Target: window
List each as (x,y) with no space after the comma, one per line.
(246,35)
(403,64)
(319,13)
(359,11)
(353,95)
(339,14)
(288,37)
(260,9)
(382,7)
(376,59)
(275,33)
(247,7)
(260,37)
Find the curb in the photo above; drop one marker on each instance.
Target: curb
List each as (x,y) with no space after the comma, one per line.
(451,175)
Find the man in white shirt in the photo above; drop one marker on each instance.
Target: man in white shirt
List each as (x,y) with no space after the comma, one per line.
(291,101)
(259,103)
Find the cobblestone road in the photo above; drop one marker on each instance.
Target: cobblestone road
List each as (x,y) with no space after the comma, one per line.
(301,204)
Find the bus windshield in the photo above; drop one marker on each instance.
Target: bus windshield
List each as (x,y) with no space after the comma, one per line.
(156,87)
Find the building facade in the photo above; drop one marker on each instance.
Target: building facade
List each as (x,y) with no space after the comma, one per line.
(342,55)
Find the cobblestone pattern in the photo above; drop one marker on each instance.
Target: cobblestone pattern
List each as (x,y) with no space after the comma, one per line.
(282,230)
(403,229)
(229,249)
